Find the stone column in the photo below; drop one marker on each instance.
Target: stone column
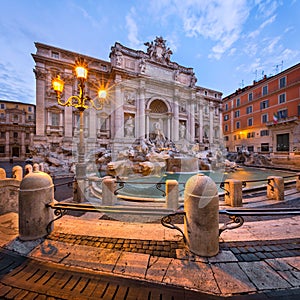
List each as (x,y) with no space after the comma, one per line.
(23,150)
(175,133)
(211,124)
(200,124)
(119,114)
(192,122)
(7,144)
(141,110)
(40,76)
(68,114)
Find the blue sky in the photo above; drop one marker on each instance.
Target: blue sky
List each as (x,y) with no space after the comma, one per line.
(229,43)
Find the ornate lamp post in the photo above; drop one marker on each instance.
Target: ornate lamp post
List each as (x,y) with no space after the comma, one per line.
(81,102)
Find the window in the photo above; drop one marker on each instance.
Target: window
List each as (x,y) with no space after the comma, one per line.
(237,125)
(2,135)
(264,104)
(264,147)
(264,118)
(215,95)
(16,118)
(282,114)
(249,109)
(250,97)
(2,106)
(226,117)
(282,142)
(298,110)
(54,54)
(265,90)
(236,113)
(205,93)
(216,111)
(264,132)
(250,122)
(15,135)
(282,82)
(226,128)
(226,106)
(226,138)
(281,98)
(250,148)
(2,149)
(29,118)
(238,102)
(55,119)
(29,108)
(27,136)
(103,67)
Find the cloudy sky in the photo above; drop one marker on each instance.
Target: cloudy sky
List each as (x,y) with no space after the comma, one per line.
(228,43)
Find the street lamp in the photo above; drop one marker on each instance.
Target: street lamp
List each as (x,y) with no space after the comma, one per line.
(81,102)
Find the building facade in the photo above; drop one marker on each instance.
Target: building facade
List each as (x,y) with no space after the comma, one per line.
(146,92)
(264,117)
(17,129)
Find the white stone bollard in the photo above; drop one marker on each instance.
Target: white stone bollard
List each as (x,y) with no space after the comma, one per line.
(108,191)
(201,223)
(28,169)
(298,182)
(36,191)
(17,172)
(2,174)
(172,194)
(275,188)
(234,197)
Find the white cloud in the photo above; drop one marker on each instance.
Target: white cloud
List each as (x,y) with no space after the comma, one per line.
(219,20)
(267,8)
(256,32)
(132,30)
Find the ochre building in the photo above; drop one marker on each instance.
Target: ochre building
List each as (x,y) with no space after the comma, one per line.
(17,129)
(264,117)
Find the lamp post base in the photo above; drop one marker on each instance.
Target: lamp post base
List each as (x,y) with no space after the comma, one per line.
(80,184)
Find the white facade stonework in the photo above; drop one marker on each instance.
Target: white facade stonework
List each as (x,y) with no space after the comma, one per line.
(147,92)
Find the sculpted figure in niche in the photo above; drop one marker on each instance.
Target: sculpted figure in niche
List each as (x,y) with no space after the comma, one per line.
(159,135)
(182,130)
(129,127)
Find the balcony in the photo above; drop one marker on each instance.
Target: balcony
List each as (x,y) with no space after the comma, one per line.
(54,130)
(103,134)
(283,121)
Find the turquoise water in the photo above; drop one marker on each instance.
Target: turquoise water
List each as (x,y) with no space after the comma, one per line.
(153,187)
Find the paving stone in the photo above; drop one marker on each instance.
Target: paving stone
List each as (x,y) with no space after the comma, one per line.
(132,264)
(260,255)
(100,259)
(232,279)
(192,275)
(263,276)
(157,268)
(223,256)
(235,250)
(269,255)
(249,257)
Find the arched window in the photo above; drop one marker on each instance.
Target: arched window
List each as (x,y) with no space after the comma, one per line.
(158,106)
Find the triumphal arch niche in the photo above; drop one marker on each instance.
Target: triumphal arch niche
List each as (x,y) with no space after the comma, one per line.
(150,97)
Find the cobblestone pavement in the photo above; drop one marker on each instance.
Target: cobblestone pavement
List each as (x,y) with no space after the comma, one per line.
(243,250)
